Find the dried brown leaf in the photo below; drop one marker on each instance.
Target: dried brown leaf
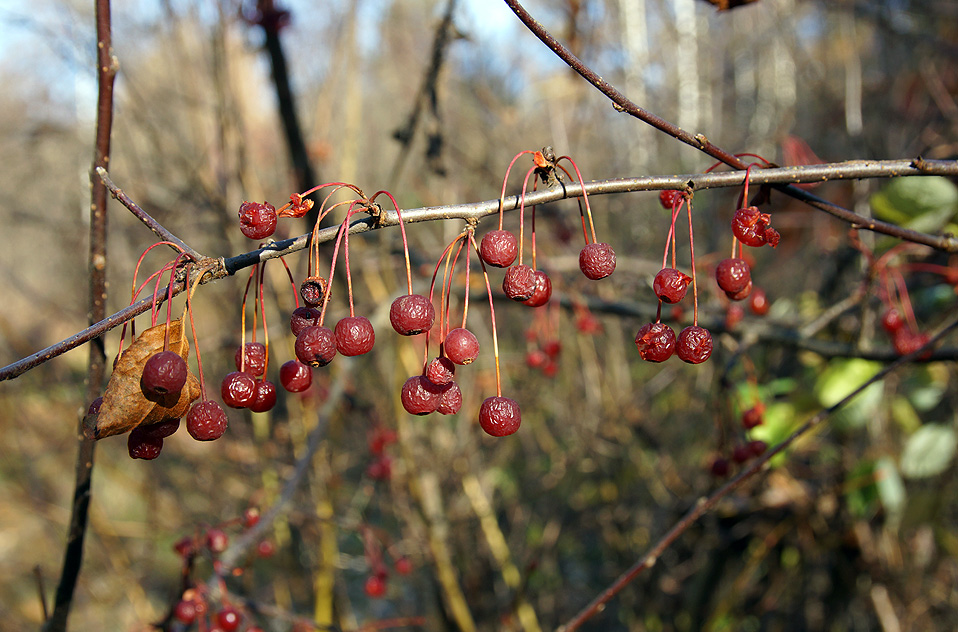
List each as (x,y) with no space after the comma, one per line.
(125,406)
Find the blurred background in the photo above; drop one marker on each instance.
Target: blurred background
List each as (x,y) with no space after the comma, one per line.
(854,529)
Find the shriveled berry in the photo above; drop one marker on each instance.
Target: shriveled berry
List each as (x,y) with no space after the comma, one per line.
(165,372)
(519,284)
(752,417)
(733,275)
(257,220)
(141,446)
(301,318)
(751,227)
(694,344)
(440,371)
(238,389)
(670,285)
(758,302)
(315,345)
(461,346)
(375,586)
(217,540)
(543,291)
(655,342)
(312,290)
(499,248)
(499,416)
(295,376)
(254,361)
(451,400)
(892,320)
(206,421)
(265,397)
(669,197)
(742,294)
(228,619)
(354,336)
(412,314)
(419,396)
(597,261)
(160,430)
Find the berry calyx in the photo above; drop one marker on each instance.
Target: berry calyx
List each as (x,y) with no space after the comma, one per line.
(255,361)
(354,335)
(733,275)
(461,346)
(295,376)
(440,371)
(499,248)
(164,373)
(315,345)
(206,421)
(519,284)
(655,342)
(142,446)
(412,314)
(238,389)
(257,220)
(670,285)
(419,396)
(597,261)
(694,344)
(451,401)
(543,291)
(312,290)
(499,416)
(265,397)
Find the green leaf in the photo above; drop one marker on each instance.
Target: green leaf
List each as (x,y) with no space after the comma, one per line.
(921,203)
(840,379)
(891,489)
(929,451)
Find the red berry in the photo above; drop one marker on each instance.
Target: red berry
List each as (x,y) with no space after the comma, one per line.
(184,547)
(758,302)
(757,447)
(441,371)
(669,197)
(265,548)
(257,220)
(375,586)
(141,446)
(295,376)
(741,453)
(733,275)
(719,467)
(185,611)
(536,359)
(381,468)
(519,284)
(251,517)
(265,397)
(451,400)
(419,396)
(588,324)
(906,341)
(733,315)
(206,421)
(238,389)
(694,344)
(499,416)
(217,540)
(412,314)
(461,346)
(670,285)
(552,348)
(597,261)
(165,372)
(543,291)
(312,291)
(892,320)
(228,619)
(751,227)
(354,336)
(403,565)
(752,417)
(301,318)
(655,342)
(380,438)
(255,361)
(315,345)
(160,430)
(499,248)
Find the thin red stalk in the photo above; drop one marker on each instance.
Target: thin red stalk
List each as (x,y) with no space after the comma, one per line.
(196,342)
(905,299)
(505,180)
(585,196)
(349,277)
(332,267)
(402,230)
(292,282)
(535,183)
(695,289)
(492,312)
(452,272)
(249,282)
(522,208)
(262,311)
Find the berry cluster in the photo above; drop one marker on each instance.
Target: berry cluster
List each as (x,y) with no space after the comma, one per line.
(377,581)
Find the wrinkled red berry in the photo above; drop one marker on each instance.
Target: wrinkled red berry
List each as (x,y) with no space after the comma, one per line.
(254,361)
(238,389)
(751,227)
(543,291)
(141,446)
(412,314)
(499,416)
(742,294)
(206,421)
(440,371)
(655,342)
(519,284)
(499,248)
(597,261)
(733,275)
(354,336)
(295,376)
(670,285)
(315,345)
(461,346)
(301,318)
(265,397)
(451,400)
(257,220)
(419,396)
(165,372)
(694,344)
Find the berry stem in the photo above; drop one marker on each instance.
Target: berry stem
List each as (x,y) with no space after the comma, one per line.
(402,230)
(349,278)
(292,283)
(492,313)
(695,289)
(262,310)
(522,208)
(905,300)
(585,196)
(249,282)
(196,343)
(465,299)
(505,180)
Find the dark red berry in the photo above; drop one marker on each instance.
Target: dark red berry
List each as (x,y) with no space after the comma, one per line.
(694,344)
(751,227)
(451,400)
(758,302)
(536,359)
(499,248)
(519,284)
(160,430)
(757,447)
(741,453)
(257,220)
(94,408)
(141,446)
(206,421)
(440,371)
(419,396)
(499,416)
(380,438)
(412,314)
(265,548)
(312,291)
(543,290)
(669,197)
(184,547)
(265,397)
(295,376)
(217,540)
(670,285)
(597,261)
(238,389)
(301,318)
(742,294)
(461,346)
(892,320)
(375,586)
(720,467)
(254,362)
(315,345)
(733,275)
(752,417)
(185,611)
(552,348)
(165,372)
(588,324)
(228,619)
(655,342)
(354,336)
